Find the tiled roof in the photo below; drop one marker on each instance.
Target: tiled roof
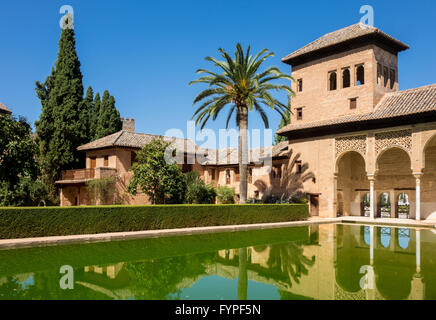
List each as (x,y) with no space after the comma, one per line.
(228,156)
(349,33)
(396,104)
(4,109)
(127,139)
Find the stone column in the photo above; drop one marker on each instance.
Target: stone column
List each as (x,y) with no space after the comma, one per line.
(371,196)
(393,201)
(335,193)
(418,196)
(371,245)
(418,251)
(417,291)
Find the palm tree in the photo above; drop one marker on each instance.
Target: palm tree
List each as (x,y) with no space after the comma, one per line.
(296,177)
(244,89)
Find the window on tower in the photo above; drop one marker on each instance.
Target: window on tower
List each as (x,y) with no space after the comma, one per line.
(332,81)
(360,75)
(346,78)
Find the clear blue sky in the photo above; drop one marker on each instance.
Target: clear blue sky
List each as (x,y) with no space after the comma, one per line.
(146,52)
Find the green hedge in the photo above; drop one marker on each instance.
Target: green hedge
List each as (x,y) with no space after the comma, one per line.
(56,221)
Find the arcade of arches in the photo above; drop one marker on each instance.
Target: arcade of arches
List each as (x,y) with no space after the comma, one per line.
(393,178)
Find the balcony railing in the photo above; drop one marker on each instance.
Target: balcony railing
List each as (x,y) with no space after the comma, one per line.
(79,174)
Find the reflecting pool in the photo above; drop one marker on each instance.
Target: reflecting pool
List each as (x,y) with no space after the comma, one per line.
(314,262)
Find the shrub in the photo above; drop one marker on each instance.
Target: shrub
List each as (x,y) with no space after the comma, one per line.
(226,195)
(56,221)
(197,191)
(100,190)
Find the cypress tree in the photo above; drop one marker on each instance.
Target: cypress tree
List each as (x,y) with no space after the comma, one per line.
(59,128)
(86,114)
(109,117)
(94,117)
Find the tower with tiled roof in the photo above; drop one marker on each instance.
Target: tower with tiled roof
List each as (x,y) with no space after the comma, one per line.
(343,73)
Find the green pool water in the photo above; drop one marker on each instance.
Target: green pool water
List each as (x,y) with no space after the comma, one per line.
(314,262)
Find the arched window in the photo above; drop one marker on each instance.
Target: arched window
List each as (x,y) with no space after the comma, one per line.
(392,78)
(379,73)
(403,238)
(386,76)
(228,176)
(403,206)
(360,75)
(385,206)
(346,78)
(385,237)
(366,205)
(332,81)
(367,235)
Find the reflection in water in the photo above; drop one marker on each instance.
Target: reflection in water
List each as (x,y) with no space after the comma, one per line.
(385,237)
(317,262)
(403,237)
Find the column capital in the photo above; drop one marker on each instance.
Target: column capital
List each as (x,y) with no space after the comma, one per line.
(417,175)
(371,177)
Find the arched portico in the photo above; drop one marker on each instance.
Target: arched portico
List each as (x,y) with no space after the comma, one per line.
(428,180)
(352,183)
(394,179)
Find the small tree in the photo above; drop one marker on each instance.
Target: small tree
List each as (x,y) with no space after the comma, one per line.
(18,169)
(226,195)
(100,190)
(295,178)
(163,182)
(197,191)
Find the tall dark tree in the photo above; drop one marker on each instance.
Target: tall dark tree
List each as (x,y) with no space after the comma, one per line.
(93,117)
(86,113)
(109,118)
(59,129)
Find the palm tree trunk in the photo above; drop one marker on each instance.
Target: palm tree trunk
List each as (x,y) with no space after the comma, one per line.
(243,154)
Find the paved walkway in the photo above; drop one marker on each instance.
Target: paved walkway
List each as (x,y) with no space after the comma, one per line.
(390,221)
(102,237)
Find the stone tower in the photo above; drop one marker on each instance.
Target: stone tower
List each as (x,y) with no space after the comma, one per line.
(343,73)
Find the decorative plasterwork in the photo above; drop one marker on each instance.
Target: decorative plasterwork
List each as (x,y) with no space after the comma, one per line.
(353,143)
(400,138)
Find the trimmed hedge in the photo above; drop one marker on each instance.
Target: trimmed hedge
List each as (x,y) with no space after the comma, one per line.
(57,221)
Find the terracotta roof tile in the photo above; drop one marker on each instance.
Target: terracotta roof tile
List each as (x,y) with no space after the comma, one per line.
(4,109)
(395,104)
(127,139)
(349,33)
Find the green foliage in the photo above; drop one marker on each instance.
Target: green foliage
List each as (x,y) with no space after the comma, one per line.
(225,195)
(52,221)
(101,190)
(67,119)
(197,191)
(60,129)
(163,182)
(108,120)
(241,85)
(283,123)
(18,170)
(87,113)
(27,192)
(17,150)
(93,118)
